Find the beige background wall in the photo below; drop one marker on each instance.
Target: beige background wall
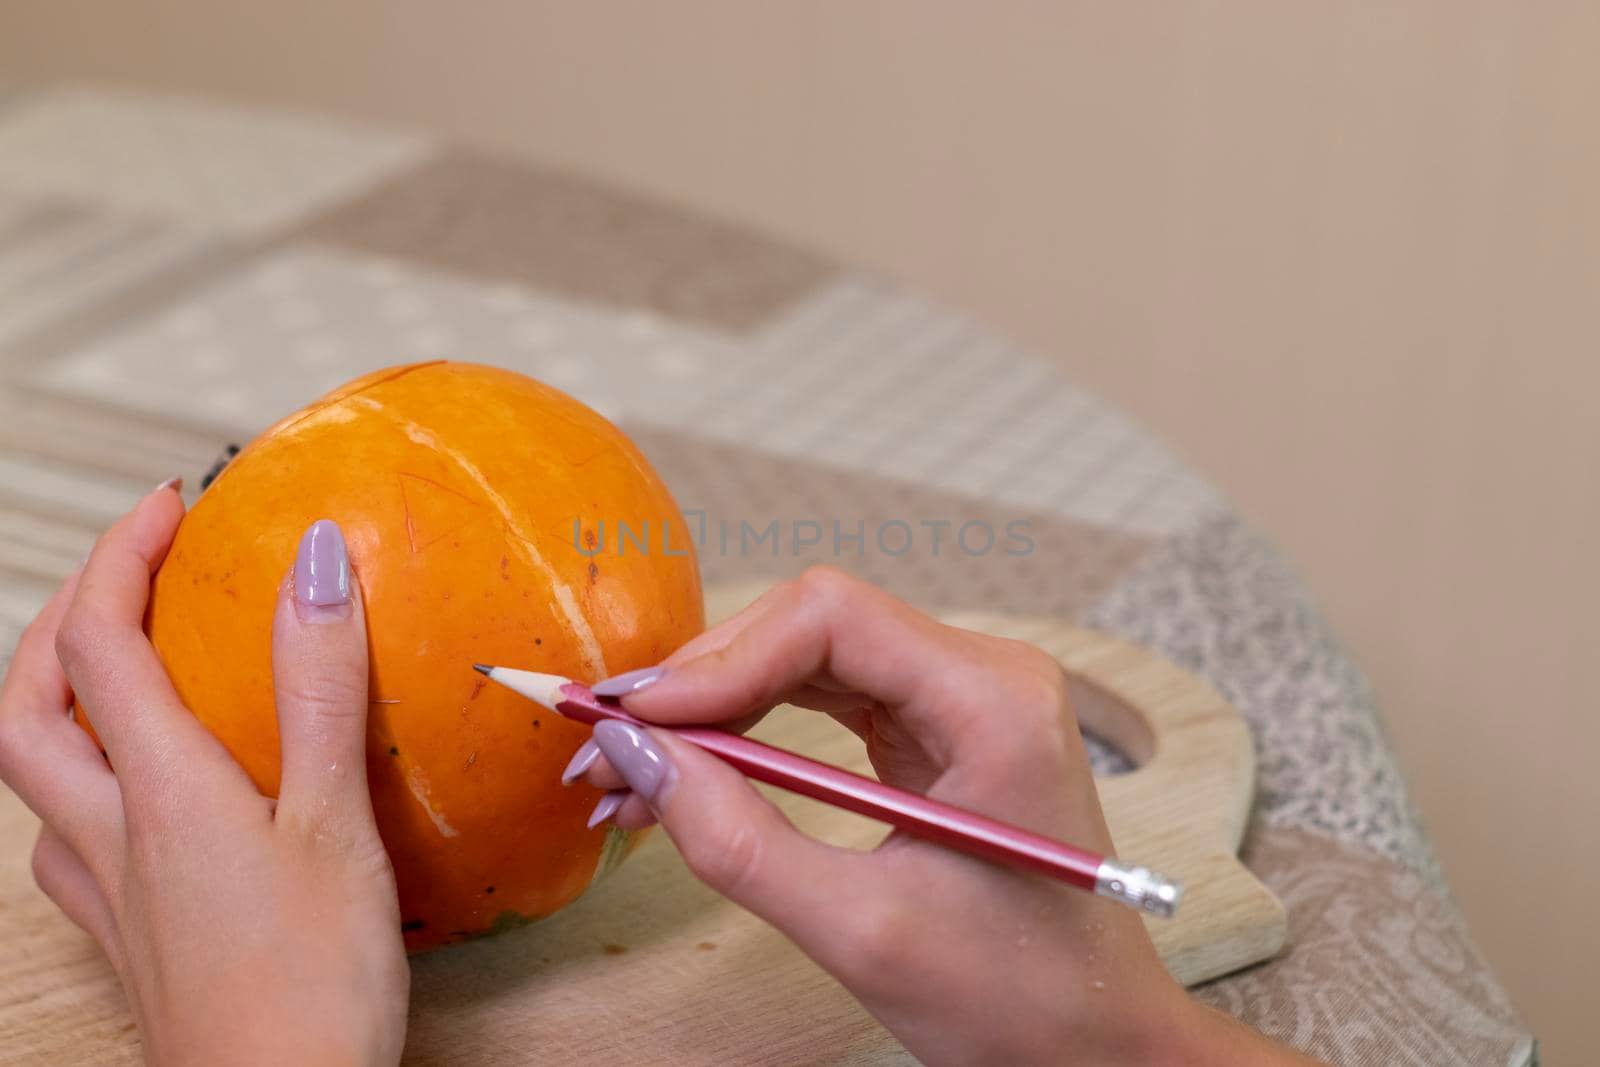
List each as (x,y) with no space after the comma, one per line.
(1346,256)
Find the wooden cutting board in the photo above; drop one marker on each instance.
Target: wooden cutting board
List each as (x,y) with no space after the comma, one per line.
(652,968)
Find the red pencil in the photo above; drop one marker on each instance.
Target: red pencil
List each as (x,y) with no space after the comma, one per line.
(931,820)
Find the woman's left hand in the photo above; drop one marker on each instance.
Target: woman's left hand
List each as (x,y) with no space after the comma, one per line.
(244,929)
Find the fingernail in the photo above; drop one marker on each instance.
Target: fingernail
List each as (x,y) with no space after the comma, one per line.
(322,567)
(581,761)
(607,807)
(621,685)
(170,483)
(635,755)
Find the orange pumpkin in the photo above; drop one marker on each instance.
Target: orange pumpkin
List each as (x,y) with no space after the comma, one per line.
(464,493)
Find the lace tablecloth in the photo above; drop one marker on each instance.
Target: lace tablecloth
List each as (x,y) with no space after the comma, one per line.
(176,274)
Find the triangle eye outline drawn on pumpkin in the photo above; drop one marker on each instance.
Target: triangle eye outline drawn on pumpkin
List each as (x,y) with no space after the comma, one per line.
(433,510)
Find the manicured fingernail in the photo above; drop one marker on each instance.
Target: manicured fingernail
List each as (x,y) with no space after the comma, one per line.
(582,760)
(621,685)
(322,567)
(607,807)
(635,755)
(170,483)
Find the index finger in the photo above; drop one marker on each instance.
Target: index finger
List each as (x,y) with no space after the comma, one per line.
(823,634)
(119,680)
(818,695)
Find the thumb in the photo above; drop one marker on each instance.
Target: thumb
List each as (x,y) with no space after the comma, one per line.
(319,680)
(732,838)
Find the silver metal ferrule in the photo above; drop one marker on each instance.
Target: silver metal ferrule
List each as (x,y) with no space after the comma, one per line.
(1138,886)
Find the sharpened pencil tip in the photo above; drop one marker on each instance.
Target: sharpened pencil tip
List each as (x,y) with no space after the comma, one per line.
(482,668)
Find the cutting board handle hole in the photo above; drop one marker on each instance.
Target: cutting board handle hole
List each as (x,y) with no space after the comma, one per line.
(1107,760)
(1119,737)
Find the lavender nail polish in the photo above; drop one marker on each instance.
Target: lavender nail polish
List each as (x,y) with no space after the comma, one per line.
(636,756)
(607,807)
(620,685)
(581,761)
(322,567)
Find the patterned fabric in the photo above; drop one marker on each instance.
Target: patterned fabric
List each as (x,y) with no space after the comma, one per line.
(175,274)
(1218,601)
(1380,969)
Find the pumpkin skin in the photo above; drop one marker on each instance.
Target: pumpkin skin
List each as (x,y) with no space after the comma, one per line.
(457,487)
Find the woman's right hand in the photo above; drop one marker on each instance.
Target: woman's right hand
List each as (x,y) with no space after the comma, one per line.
(964,961)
